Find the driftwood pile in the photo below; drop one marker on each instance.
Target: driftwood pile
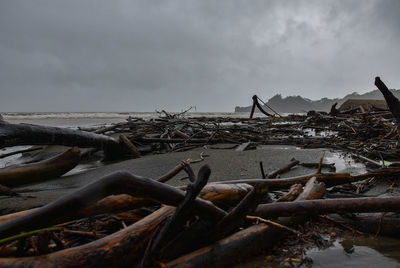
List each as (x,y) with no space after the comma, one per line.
(200,224)
(124,220)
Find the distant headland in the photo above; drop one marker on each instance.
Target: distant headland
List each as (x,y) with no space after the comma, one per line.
(298,104)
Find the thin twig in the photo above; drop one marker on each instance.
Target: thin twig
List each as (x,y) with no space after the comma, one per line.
(275,224)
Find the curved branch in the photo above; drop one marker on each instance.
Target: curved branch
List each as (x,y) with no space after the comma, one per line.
(116,183)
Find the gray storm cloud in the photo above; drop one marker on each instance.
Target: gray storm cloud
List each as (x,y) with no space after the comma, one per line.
(146,55)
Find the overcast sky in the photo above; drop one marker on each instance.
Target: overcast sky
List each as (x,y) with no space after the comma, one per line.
(77,55)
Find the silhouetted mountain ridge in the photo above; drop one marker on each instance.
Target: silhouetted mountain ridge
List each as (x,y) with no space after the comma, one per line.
(298,104)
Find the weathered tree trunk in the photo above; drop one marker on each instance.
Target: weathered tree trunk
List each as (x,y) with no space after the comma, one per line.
(26,134)
(125,246)
(326,206)
(115,183)
(330,179)
(248,242)
(377,224)
(40,171)
(218,194)
(392,102)
(120,248)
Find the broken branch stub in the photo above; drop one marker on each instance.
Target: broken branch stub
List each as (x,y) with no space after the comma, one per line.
(392,102)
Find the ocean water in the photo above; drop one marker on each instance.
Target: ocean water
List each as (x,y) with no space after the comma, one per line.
(76,119)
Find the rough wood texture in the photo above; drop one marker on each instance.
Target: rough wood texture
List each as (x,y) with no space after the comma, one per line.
(26,134)
(122,247)
(230,250)
(250,241)
(326,206)
(218,194)
(115,183)
(330,179)
(35,172)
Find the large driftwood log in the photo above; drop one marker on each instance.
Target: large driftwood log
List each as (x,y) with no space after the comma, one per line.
(326,206)
(218,194)
(34,172)
(125,246)
(120,248)
(377,223)
(248,242)
(392,102)
(115,183)
(165,237)
(330,179)
(27,134)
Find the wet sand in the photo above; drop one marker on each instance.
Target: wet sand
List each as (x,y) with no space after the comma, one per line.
(226,164)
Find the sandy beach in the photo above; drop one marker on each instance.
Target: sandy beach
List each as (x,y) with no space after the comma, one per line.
(226,164)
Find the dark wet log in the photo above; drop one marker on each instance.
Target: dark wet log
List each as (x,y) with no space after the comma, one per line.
(165,237)
(377,224)
(116,183)
(203,232)
(219,194)
(125,246)
(122,247)
(251,241)
(239,246)
(330,179)
(326,206)
(284,169)
(26,134)
(7,191)
(392,102)
(236,216)
(40,171)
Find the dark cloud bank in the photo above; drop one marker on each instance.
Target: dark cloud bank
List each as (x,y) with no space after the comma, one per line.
(146,55)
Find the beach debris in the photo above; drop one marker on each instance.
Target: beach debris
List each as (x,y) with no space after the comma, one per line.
(195,215)
(40,171)
(124,219)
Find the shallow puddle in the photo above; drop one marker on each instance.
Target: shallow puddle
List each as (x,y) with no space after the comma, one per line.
(359,252)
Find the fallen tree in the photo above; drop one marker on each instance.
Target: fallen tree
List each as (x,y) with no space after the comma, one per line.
(330,179)
(27,134)
(249,242)
(125,246)
(120,182)
(326,206)
(35,172)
